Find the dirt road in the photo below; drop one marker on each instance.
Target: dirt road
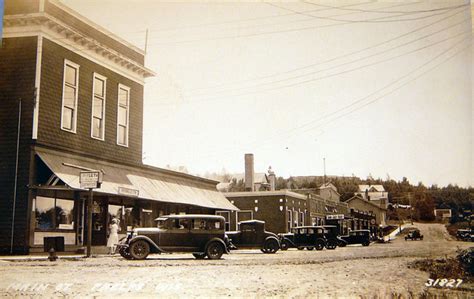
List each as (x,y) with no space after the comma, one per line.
(354,271)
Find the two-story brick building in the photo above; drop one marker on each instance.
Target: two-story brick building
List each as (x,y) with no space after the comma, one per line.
(71,100)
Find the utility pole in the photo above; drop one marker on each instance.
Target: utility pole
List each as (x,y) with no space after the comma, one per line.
(89,222)
(16,175)
(411,208)
(324,165)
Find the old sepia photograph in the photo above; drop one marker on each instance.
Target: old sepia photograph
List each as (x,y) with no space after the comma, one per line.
(236,149)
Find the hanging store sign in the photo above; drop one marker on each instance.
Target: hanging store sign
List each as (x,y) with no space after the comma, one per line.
(335,217)
(90,179)
(128,191)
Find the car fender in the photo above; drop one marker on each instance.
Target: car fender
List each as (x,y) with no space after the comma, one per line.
(150,241)
(226,250)
(271,238)
(288,240)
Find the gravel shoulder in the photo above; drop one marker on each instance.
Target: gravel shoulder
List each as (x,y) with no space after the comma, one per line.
(354,271)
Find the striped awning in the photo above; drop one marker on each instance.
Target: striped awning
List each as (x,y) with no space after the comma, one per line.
(142,182)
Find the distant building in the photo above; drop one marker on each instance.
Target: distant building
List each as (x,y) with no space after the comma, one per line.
(443,214)
(281,210)
(329,192)
(378,208)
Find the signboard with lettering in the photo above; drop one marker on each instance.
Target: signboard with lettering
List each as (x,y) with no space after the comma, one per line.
(90,179)
(128,191)
(335,217)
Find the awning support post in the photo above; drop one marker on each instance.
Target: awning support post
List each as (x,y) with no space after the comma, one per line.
(89,222)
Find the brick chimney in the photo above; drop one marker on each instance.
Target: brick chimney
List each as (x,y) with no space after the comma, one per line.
(271,178)
(249,173)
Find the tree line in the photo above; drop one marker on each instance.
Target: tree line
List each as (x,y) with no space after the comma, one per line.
(422,198)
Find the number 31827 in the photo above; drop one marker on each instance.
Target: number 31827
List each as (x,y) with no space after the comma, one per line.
(443,282)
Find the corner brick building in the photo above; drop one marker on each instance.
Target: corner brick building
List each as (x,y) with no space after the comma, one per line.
(71,100)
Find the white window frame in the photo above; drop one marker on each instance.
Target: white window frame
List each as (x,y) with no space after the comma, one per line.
(302,218)
(227,220)
(121,86)
(100,77)
(74,120)
(237,217)
(289,214)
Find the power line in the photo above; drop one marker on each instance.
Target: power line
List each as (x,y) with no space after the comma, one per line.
(346,63)
(283,31)
(364,98)
(331,59)
(382,11)
(249,19)
(219,98)
(305,20)
(373,20)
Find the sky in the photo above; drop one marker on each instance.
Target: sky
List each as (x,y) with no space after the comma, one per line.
(380,88)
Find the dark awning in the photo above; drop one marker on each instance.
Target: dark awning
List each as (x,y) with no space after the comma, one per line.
(145,182)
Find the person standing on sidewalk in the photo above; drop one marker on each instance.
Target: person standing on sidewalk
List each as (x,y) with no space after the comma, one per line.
(113,239)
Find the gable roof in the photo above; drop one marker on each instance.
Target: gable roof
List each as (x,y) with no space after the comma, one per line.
(371,188)
(357,197)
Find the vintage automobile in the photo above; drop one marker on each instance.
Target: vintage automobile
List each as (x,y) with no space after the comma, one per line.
(301,237)
(201,235)
(465,234)
(252,234)
(331,233)
(361,236)
(414,235)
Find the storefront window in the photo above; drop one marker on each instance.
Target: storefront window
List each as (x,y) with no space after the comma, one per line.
(64,214)
(54,213)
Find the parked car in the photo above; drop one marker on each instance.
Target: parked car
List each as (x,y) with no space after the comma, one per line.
(201,235)
(466,234)
(252,234)
(309,237)
(361,236)
(333,239)
(414,235)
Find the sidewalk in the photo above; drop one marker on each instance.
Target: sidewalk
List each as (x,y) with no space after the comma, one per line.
(393,235)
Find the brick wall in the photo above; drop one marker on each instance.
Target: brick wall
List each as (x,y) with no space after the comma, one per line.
(17,76)
(50,133)
(269,210)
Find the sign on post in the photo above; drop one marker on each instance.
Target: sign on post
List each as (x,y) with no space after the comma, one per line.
(90,179)
(335,217)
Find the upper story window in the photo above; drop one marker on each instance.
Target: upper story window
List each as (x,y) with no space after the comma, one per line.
(98,107)
(123,115)
(70,92)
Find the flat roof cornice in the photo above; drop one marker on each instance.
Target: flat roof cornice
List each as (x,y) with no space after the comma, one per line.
(43,23)
(265,193)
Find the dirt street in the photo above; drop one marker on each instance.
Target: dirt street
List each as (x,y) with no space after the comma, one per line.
(379,270)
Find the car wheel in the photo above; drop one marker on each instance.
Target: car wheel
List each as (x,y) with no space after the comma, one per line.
(125,253)
(366,243)
(199,256)
(214,251)
(310,248)
(300,248)
(271,246)
(319,245)
(284,245)
(331,245)
(342,244)
(140,249)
